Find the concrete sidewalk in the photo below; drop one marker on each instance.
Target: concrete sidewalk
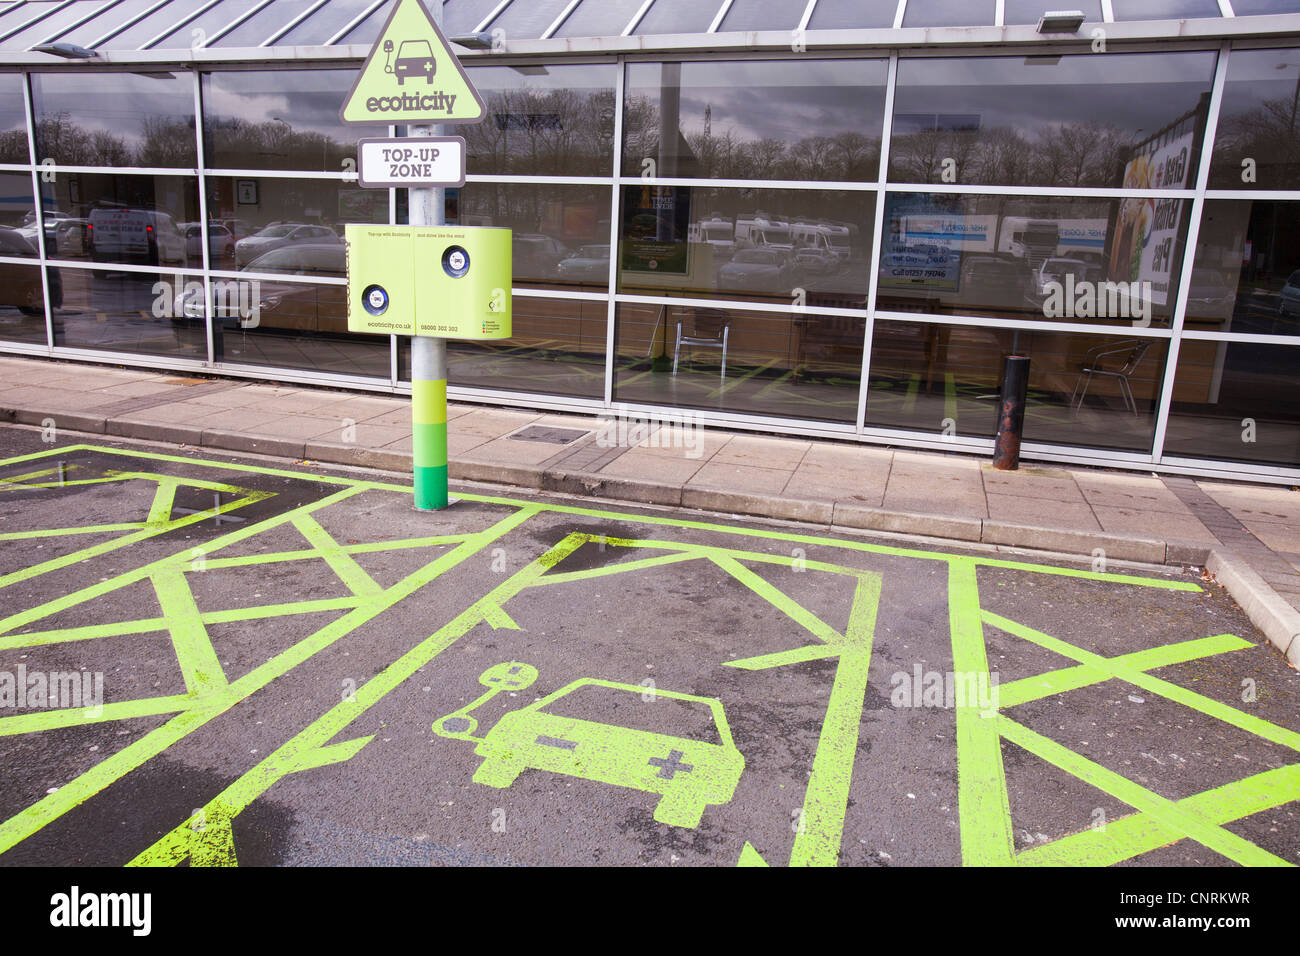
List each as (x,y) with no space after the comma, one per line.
(1247,536)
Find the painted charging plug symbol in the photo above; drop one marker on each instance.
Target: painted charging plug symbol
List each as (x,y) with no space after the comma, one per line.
(375,299)
(455,261)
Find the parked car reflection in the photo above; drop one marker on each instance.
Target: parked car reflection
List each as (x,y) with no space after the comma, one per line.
(280,235)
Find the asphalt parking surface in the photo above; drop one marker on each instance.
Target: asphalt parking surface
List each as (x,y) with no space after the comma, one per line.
(283,664)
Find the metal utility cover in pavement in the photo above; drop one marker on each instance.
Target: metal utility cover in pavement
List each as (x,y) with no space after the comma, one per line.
(553,436)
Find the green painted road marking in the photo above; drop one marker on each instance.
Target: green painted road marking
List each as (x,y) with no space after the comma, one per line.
(1189,824)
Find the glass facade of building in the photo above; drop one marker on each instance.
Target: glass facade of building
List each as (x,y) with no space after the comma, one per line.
(843,243)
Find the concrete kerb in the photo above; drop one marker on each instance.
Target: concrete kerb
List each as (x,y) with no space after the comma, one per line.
(1279,621)
(1146,550)
(62,420)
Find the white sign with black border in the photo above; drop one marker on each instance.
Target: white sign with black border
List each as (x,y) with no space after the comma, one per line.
(411,161)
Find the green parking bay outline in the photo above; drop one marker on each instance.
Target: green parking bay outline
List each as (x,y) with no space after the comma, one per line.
(983,807)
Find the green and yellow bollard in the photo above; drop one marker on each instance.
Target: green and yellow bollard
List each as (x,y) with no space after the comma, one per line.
(429,421)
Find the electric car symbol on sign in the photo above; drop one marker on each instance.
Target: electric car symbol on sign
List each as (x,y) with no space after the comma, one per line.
(414,57)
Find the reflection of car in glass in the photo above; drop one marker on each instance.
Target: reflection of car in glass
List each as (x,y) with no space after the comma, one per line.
(143,236)
(761,270)
(992,282)
(415,58)
(238,228)
(295,306)
(20,285)
(588,264)
(689,774)
(1288,304)
(280,235)
(1056,269)
(221,243)
(535,254)
(1211,295)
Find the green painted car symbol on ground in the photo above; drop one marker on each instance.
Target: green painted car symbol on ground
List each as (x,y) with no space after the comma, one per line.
(687,774)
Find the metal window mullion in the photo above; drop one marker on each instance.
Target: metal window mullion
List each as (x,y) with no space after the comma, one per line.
(203,217)
(722,12)
(819,185)
(636,18)
(35,20)
(559,21)
(30,112)
(354,23)
(902,9)
(1107,13)
(495,12)
(127,24)
(616,188)
(69,27)
(999,13)
(1225,9)
(807,15)
(1189,254)
(873,277)
(186,18)
(232,25)
(269,41)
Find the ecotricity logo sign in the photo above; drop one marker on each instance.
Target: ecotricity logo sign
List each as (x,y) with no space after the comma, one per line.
(411,76)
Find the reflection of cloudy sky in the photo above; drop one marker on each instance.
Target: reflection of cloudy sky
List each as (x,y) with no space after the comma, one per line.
(116,103)
(1139,92)
(305,100)
(789,100)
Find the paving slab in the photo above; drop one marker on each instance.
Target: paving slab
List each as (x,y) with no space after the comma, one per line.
(740,478)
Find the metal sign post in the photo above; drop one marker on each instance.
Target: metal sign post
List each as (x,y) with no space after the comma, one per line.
(419,279)
(427,207)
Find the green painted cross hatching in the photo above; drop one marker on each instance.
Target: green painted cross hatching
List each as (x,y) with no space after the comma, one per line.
(985,822)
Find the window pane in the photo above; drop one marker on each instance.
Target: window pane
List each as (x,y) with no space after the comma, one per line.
(558,348)
(162,20)
(462,16)
(131,219)
(285,323)
(54,24)
(13,120)
(22,303)
(206,24)
(678,16)
(754,119)
(1249,8)
(528,21)
(122,312)
(115,119)
(1164,9)
(1257,145)
(1029,11)
(324,23)
(794,364)
(1084,390)
(260,26)
(1122,120)
(543,120)
(764,245)
(287,119)
(1246,277)
(288,226)
(852,14)
(1105,261)
(113,17)
(761,15)
(561,233)
(948,13)
(599,18)
(1238,401)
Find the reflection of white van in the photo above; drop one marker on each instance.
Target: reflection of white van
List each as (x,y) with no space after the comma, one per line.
(761,233)
(717,232)
(141,236)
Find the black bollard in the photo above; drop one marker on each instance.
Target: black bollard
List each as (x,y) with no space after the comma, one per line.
(1011,412)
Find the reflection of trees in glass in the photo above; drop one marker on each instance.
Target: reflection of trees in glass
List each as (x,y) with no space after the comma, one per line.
(544,131)
(1067,154)
(1266,134)
(847,156)
(164,141)
(13,146)
(272,144)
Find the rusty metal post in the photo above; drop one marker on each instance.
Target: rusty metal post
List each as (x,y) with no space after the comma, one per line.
(1011,412)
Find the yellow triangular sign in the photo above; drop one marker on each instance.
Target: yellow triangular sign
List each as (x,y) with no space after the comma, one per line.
(411,76)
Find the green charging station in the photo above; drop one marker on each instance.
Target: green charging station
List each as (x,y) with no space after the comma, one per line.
(448,282)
